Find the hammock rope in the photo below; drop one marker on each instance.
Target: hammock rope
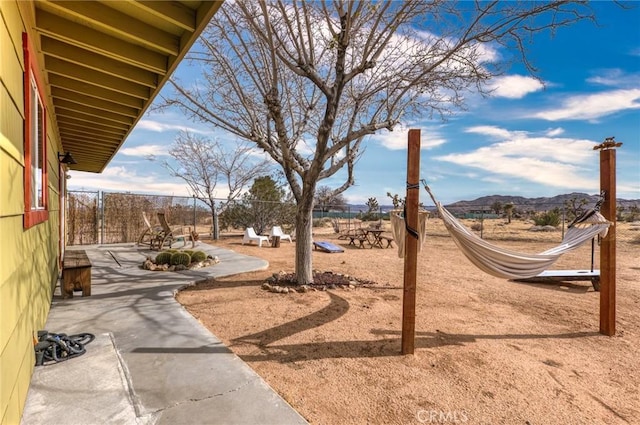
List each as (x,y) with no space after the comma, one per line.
(509,264)
(399,229)
(411,231)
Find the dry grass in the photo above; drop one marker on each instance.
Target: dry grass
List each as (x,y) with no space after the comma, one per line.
(487,350)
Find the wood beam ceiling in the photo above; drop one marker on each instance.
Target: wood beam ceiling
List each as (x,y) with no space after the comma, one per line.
(106,61)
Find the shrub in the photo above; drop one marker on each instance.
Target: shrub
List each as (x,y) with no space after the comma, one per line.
(549,218)
(198,256)
(321,222)
(189,251)
(163,258)
(180,258)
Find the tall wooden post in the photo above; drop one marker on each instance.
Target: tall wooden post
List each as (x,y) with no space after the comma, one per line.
(411,243)
(608,244)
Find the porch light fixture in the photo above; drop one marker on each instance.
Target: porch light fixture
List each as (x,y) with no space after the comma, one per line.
(66,158)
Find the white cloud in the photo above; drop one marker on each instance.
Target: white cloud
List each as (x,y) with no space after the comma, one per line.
(159,127)
(397,140)
(145,150)
(552,132)
(607,78)
(554,162)
(593,106)
(489,130)
(515,86)
(615,77)
(120,179)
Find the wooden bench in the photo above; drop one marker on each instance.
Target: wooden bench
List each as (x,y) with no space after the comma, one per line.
(386,239)
(76,274)
(360,238)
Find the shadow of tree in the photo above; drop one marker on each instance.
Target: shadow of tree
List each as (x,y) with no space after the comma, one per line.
(384,347)
(336,308)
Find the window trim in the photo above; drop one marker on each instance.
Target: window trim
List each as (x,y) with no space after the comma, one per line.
(33,216)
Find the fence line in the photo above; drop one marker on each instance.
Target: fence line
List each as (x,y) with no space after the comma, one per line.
(97,217)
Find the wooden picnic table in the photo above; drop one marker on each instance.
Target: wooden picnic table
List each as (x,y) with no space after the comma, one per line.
(373,237)
(368,236)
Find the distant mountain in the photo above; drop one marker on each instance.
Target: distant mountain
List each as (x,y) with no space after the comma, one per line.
(533,204)
(521,203)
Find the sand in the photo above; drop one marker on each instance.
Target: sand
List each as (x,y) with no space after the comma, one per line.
(488,350)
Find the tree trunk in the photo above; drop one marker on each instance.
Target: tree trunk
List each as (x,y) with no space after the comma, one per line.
(216,226)
(304,227)
(215,232)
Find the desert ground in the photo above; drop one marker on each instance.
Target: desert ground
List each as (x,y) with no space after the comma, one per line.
(488,350)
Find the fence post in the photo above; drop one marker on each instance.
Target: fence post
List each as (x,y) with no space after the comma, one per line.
(608,243)
(564,219)
(101,216)
(411,243)
(194,213)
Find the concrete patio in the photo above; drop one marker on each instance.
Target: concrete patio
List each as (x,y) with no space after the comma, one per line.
(151,361)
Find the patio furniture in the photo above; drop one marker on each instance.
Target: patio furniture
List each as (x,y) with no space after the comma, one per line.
(151,234)
(387,239)
(251,236)
(170,235)
(76,274)
(373,236)
(277,231)
(360,236)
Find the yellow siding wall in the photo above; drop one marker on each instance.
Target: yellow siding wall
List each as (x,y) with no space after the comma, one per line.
(28,258)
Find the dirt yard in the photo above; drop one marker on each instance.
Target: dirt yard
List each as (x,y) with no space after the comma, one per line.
(488,350)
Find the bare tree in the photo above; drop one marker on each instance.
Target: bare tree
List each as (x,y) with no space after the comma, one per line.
(326,198)
(308,81)
(201,162)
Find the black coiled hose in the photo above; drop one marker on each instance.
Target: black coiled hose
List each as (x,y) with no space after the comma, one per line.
(52,347)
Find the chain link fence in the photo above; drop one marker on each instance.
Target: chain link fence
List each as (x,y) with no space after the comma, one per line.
(112,217)
(106,217)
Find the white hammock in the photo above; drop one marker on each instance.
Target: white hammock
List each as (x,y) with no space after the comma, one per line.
(505,263)
(398,229)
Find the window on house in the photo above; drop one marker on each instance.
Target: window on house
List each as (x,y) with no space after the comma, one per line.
(35,148)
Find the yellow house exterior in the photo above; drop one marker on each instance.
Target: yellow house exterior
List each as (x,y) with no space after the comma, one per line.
(74,77)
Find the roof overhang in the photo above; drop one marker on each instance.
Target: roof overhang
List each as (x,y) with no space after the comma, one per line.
(105,62)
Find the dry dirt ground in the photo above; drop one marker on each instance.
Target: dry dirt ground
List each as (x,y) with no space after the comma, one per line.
(488,350)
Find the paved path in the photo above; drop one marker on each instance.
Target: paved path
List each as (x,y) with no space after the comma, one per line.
(151,362)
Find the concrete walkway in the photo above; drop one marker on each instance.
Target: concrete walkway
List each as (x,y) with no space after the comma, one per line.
(151,362)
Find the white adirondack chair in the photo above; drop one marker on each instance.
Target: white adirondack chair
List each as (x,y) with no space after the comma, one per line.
(277,231)
(250,235)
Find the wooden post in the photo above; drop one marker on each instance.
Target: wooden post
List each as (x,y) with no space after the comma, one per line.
(411,243)
(608,244)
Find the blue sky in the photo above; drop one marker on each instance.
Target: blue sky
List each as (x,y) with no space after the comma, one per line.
(528,139)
